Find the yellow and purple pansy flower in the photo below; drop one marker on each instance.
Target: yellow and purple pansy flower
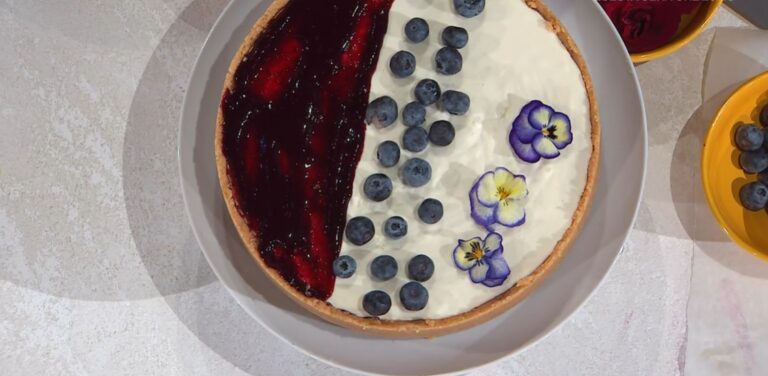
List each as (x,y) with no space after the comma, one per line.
(497,197)
(483,259)
(540,132)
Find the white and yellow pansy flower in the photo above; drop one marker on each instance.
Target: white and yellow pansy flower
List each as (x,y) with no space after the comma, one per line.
(498,198)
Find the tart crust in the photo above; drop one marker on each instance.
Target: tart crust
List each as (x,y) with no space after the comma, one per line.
(419,328)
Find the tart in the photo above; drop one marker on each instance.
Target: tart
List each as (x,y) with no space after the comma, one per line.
(401,181)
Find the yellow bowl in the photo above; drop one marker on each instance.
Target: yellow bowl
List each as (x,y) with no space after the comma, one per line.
(720,172)
(690,30)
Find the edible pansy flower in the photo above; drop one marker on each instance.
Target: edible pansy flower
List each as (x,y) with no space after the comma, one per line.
(540,131)
(483,259)
(497,198)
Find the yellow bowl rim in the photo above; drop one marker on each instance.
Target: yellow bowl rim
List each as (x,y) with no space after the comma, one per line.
(692,33)
(704,167)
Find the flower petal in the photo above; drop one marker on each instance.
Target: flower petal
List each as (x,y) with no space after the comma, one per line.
(462,254)
(483,215)
(502,177)
(492,242)
(511,213)
(544,147)
(479,272)
(540,116)
(493,282)
(514,185)
(524,151)
(522,127)
(562,124)
(497,267)
(526,110)
(487,191)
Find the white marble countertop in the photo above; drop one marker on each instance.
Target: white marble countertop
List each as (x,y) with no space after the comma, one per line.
(100,273)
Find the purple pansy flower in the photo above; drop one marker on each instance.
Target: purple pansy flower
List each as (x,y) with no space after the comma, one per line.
(497,198)
(540,132)
(483,259)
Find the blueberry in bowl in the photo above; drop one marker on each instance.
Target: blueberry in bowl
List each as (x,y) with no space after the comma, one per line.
(749,137)
(754,196)
(754,162)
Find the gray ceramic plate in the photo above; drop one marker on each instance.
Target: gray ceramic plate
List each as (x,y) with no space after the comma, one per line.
(620,184)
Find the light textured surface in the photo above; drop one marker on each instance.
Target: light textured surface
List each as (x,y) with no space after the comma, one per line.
(100,273)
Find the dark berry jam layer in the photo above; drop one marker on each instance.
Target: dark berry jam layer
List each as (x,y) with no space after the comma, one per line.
(294,130)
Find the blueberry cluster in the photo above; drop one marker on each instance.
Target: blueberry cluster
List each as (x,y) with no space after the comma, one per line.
(382,111)
(752,140)
(413,295)
(414,172)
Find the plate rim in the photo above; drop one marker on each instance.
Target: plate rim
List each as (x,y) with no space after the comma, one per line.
(183,119)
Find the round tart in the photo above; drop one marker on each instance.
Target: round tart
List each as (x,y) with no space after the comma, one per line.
(407,169)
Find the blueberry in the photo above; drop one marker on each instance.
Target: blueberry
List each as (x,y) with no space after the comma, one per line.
(430,211)
(388,153)
(377,187)
(749,137)
(415,139)
(414,296)
(359,230)
(396,227)
(402,64)
(377,303)
(754,162)
(344,266)
(414,114)
(441,133)
(469,8)
(421,268)
(382,112)
(754,196)
(764,116)
(416,172)
(763,177)
(416,30)
(427,92)
(448,61)
(454,102)
(384,267)
(454,36)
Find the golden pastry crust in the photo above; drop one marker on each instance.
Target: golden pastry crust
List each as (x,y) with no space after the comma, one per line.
(420,328)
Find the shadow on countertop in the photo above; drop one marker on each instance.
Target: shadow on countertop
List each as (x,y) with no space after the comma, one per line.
(153,198)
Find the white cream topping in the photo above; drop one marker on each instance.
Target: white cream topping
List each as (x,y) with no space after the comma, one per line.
(511,59)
